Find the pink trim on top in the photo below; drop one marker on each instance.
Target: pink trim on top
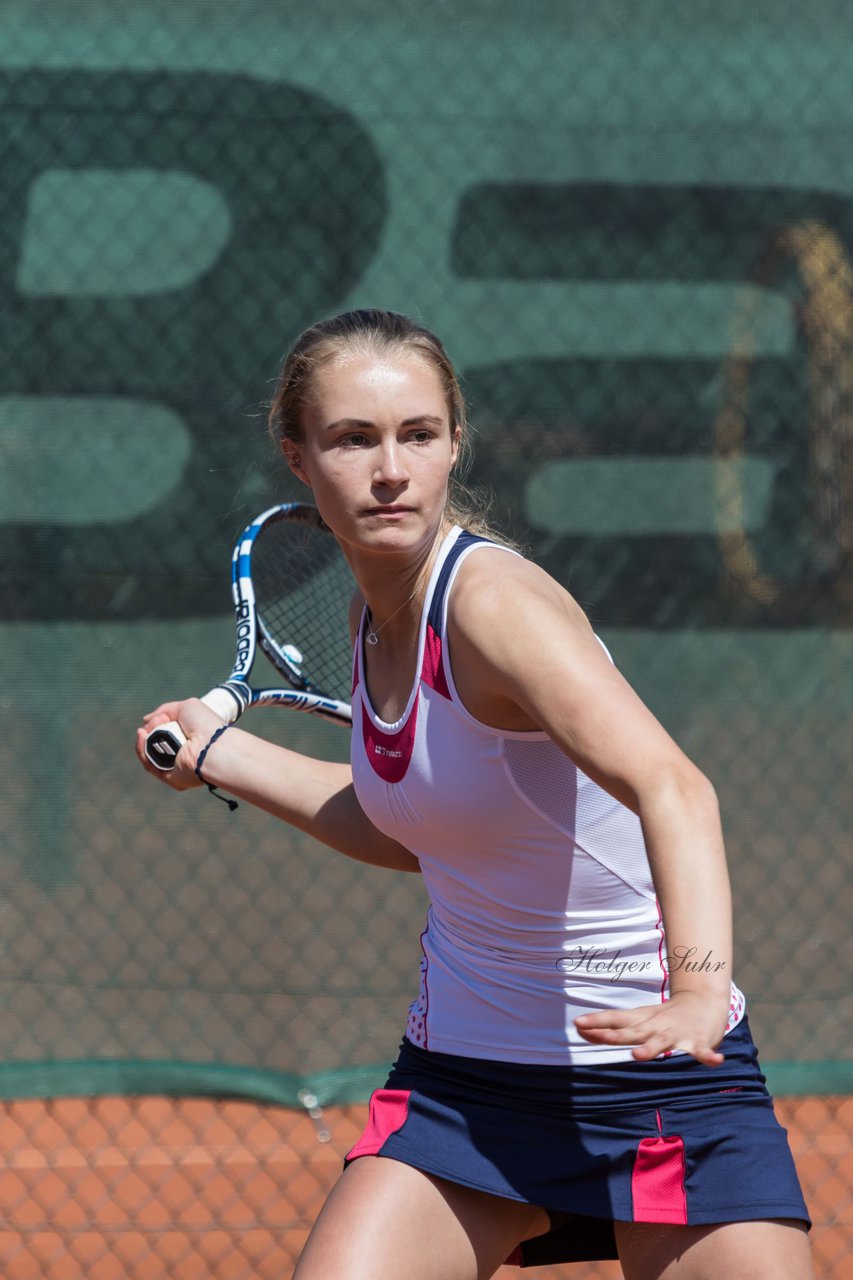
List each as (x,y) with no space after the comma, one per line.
(390,754)
(355,665)
(417,1024)
(664,997)
(658,1193)
(737,1003)
(389,1111)
(426,986)
(432,669)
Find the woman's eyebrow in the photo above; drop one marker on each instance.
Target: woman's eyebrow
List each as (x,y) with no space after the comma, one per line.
(348,422)
(363,422)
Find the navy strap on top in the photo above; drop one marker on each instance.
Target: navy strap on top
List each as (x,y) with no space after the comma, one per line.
(461,544)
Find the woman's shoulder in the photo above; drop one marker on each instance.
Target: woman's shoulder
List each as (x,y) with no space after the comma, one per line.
(513,630)
(496,586)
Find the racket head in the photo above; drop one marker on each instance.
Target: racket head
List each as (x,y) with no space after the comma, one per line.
(289,566)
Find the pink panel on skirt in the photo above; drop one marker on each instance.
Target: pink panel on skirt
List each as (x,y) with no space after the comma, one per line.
(389,1110)
(657,1183)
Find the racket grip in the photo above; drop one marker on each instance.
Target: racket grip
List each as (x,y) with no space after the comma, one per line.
(163,743)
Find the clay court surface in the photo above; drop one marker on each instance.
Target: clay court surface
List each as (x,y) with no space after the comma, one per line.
(147,1188)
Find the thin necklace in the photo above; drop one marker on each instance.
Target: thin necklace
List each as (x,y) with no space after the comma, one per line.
(372,636)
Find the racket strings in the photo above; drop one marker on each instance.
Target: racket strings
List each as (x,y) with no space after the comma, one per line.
(303,588)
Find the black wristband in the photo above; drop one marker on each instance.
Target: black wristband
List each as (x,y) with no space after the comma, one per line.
(232,804)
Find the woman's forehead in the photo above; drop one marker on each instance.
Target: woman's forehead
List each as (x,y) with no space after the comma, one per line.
(390,381)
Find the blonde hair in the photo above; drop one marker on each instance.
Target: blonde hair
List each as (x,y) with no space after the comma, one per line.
(374,333)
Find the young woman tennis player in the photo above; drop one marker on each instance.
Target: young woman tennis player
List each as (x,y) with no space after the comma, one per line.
(577,1080)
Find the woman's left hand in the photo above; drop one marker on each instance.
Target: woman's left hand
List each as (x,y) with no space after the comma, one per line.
(687,1021)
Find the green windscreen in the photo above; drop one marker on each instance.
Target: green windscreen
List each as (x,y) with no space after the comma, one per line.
(631,225)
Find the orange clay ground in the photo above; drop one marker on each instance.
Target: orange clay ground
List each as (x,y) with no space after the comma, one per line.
(166,1189)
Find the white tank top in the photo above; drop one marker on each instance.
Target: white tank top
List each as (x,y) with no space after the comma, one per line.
(542,905)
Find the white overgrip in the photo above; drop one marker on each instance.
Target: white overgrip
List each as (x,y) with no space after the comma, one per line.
(223,704)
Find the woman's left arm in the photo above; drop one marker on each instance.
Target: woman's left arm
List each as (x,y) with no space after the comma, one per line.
(525,656)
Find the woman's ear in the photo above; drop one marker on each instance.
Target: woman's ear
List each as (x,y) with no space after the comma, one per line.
(455,443)
(293,456)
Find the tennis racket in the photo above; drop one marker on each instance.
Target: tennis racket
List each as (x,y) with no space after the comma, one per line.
(291,589)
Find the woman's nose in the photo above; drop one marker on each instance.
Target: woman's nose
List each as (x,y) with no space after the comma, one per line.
(390,468)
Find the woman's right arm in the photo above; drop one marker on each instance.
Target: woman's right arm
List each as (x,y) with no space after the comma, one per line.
(316,796)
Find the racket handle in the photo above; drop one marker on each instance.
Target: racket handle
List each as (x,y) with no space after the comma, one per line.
(163,743)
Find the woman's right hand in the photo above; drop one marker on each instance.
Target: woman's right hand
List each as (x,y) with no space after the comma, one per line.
(198,723)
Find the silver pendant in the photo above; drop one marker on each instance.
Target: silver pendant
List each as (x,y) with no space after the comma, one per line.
(371,638)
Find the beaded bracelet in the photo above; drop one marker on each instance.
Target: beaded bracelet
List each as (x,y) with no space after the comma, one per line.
(232,804)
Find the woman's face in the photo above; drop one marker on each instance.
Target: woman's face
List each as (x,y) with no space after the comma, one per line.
(377,450)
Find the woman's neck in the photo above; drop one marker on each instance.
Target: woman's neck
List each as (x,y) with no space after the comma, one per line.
(394,586)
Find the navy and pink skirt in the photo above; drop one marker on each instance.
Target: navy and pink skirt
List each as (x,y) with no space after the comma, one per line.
(668,1141)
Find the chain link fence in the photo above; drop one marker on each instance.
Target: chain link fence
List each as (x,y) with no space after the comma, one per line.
(631,225)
